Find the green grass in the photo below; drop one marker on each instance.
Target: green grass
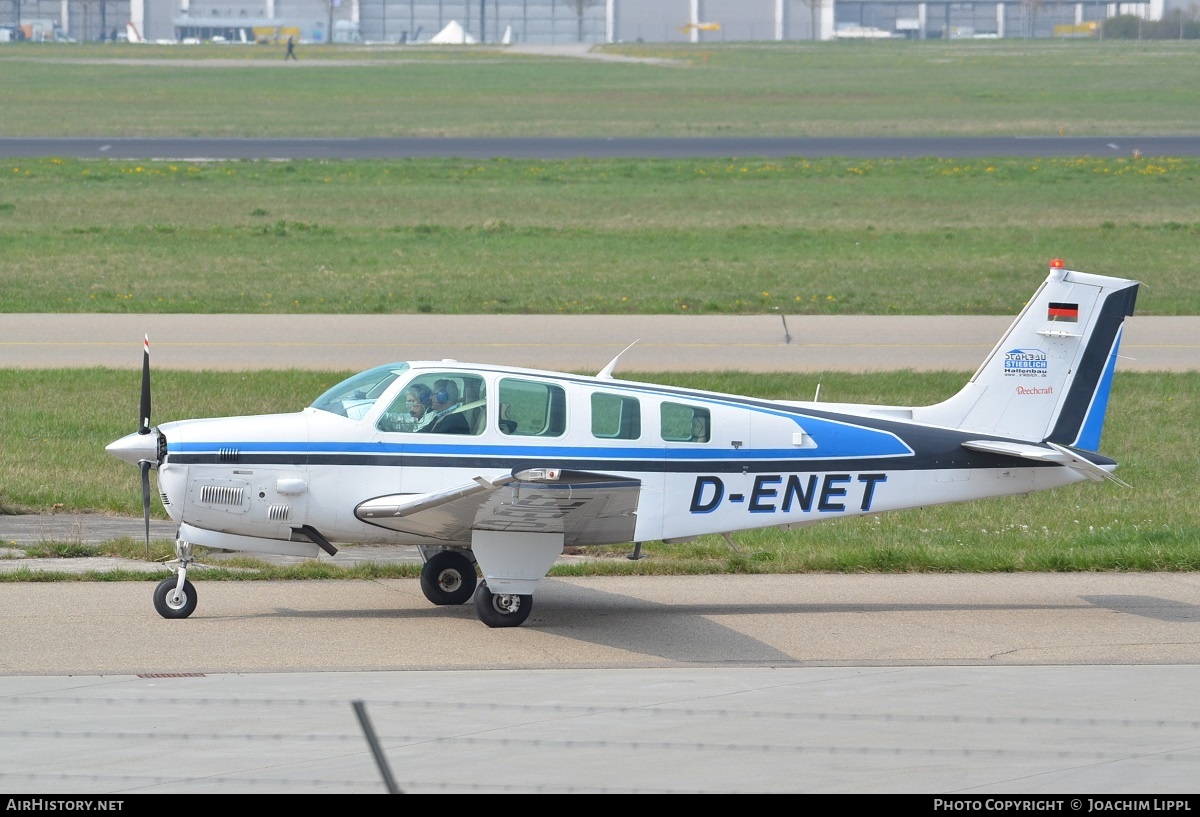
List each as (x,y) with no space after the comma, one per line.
(830,236)
(1008,87)
(59,421)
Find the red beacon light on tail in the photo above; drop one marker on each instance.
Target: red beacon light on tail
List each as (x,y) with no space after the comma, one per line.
(1056,263)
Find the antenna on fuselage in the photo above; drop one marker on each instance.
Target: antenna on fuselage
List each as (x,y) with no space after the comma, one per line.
(606,372)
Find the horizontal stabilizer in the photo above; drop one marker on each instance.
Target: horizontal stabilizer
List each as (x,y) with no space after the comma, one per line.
(1053,453)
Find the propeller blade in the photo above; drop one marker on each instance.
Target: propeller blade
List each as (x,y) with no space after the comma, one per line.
(145,426)
(144,466)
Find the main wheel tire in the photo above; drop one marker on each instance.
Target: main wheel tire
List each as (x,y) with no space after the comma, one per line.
(448,578)
(170,604)
(500,609)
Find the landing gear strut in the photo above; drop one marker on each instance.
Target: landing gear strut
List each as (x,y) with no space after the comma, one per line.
(175,597)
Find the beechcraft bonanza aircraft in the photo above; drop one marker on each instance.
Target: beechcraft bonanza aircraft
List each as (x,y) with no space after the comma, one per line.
(519,463)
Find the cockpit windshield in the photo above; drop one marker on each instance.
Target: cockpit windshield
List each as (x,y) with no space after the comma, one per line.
(355,396)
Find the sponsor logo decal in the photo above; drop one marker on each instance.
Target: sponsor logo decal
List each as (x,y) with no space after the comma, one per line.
(1026,363)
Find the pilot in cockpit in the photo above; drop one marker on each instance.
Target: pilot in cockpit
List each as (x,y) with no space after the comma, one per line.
(445,402)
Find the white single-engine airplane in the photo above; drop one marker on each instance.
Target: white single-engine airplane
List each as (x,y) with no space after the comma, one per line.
(501,468)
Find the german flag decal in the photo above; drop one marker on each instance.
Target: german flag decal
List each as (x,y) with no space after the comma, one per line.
(1063,312)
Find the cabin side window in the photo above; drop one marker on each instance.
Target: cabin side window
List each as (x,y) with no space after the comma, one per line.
(685,424)
(529,408)
(445,403)
(615,417)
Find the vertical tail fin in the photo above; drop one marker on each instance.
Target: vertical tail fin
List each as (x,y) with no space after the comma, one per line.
(1049,376)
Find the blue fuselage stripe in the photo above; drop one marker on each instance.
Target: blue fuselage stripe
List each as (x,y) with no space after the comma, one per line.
(246,449)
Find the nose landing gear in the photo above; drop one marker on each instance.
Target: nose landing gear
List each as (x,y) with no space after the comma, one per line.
(173,599)
(175,596)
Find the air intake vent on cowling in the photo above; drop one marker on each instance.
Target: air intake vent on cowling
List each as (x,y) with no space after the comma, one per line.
(279,513)
(221,495)
(166,500)
(228,455)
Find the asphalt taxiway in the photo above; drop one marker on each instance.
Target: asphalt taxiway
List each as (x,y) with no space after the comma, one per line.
(577,343)
(1042,685)
(555,148)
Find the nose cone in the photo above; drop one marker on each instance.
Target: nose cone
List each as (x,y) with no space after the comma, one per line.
(133,448)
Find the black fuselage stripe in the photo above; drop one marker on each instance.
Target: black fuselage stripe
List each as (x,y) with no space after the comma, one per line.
(960,460)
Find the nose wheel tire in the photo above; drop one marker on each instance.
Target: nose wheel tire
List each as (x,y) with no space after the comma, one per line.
(173,603)
(501,609)
(448,578)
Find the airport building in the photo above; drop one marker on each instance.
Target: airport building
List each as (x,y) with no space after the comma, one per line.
(562,21)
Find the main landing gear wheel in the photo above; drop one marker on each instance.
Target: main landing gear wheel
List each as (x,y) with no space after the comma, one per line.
(501,609)
(448,578)
(172,603)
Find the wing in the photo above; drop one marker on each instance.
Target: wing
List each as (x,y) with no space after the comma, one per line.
(587,508)
(1055,453)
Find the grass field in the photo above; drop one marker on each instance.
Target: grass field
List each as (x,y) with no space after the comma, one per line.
(828,236)
(1007,87)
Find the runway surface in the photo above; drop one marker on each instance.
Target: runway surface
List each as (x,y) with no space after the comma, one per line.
(757,343)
